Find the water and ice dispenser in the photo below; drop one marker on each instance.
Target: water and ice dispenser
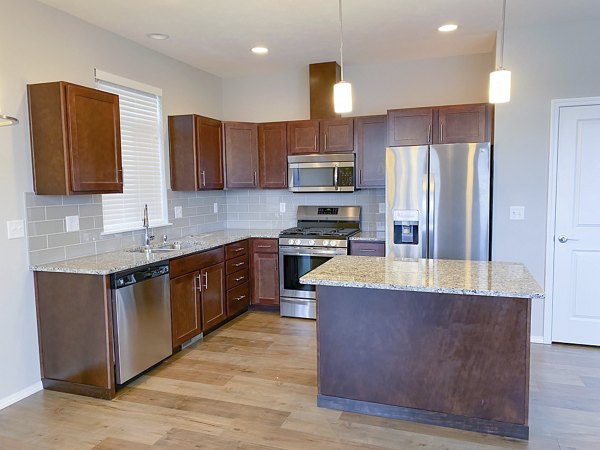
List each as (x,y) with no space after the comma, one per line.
(406,226)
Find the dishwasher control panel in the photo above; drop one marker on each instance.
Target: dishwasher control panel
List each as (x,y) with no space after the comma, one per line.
(123,279)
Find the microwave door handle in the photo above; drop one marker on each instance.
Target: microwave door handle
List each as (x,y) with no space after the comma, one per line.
(335,177)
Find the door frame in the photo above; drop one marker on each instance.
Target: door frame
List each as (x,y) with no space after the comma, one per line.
(556,105)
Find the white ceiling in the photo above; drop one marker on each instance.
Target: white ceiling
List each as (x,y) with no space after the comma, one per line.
(216,35)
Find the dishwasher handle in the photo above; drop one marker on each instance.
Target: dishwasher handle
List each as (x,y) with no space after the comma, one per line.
(124,279)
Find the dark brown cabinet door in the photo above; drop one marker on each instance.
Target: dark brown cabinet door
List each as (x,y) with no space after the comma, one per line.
(186,321)
(241,154)
(410,126)
(464,123)
(213,295)
(370,138)
(303,137)
(183,155)
(272,155)
(210,154)
(265,272)
(337,135)
(75,139)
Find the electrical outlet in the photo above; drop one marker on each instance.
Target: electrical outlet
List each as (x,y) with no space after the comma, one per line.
(16,229)
(517,213)
(215,208)
(178,212)
(72,223)
(381,208)
(282,207)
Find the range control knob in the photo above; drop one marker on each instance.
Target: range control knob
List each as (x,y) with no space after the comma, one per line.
(291,242)
(297,242)
(333,243)
(311,242)
(325,242)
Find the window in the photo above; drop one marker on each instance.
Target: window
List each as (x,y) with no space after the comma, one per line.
(141,152)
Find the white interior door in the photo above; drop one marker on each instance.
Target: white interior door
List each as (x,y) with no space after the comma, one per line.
(576,294)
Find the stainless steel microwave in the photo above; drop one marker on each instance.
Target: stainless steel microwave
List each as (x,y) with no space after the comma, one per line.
(332,172)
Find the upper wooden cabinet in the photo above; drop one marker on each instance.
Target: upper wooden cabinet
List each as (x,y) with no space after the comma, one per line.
(75,139)
(196,156)
(320,136)
(272,155)
(370,140)
(241,154)
(440,125)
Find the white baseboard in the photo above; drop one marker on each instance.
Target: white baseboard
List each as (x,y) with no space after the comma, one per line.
(537,339)
(14,398)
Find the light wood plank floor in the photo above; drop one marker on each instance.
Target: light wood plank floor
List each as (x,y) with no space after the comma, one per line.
(252,385)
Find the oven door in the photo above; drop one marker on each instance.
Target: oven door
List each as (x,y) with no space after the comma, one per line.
(321,176)
(295,262)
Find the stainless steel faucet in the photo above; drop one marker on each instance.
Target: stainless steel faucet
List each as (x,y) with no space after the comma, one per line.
(147,237)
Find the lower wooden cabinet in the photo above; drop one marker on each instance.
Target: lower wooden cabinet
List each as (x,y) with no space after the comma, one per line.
(367,248)
(265,272)
(186,312)
(238,298)
(214,309)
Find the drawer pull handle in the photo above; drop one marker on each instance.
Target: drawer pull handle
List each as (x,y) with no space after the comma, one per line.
(238,264)
(239,278)
(239,249)
(263,246)
(370,250)
(240,298)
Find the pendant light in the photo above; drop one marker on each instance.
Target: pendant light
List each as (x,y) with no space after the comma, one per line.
(342,90)
(500,78)
(6,121)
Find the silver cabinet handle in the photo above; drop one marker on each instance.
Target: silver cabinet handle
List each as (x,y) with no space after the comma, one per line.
(205,280)
(199,286)
(360,176)
(263,246)
(239,278)
(255,178)
(240,298)
(203,178)
(315,145)
(239,249)
(441,132)
(369,250)
(429,133)
(238,264)
(325,142)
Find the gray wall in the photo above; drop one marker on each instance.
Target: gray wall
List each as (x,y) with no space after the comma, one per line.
(41,44)
(558,61)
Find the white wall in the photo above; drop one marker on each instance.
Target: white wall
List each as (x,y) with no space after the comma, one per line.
(41,44)
(561,61)
(376,87)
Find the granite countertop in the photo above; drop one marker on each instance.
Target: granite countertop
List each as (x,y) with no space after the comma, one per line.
(107,263)
(495,279)
(369,236)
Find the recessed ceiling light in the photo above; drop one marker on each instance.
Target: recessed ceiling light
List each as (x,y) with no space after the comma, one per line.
(260,50)
(158,36)
(448,27)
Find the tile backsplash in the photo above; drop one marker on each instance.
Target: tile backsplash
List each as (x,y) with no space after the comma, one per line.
(238,209)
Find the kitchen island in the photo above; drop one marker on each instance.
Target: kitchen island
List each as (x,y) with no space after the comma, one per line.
(433,341)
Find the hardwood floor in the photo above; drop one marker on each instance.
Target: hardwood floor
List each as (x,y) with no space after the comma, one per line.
(252,385)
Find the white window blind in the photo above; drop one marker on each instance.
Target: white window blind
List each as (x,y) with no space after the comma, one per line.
(141,153)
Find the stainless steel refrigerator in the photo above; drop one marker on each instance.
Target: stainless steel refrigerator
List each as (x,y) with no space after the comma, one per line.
(438,201)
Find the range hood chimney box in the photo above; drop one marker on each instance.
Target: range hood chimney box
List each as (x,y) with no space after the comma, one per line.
(322,77)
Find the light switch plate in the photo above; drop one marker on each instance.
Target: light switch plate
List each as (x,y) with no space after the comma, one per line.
(517,213)
(72,223)
(381,208)
(16,229)
(215,208)
(282,207)
(178,212)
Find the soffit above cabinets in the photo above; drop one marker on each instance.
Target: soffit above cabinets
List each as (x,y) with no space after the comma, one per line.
(216,36)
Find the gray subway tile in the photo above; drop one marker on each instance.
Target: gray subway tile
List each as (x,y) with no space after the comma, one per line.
(36,213)
(47,256)
(46,200)
(79,250)
(78,199)
(45,227)
(38,243)
(62,239)
(90,210)
(60,212)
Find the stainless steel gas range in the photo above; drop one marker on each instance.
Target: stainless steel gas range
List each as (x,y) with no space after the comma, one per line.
(321,234)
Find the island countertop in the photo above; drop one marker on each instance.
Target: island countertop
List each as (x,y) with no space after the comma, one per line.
(485,278)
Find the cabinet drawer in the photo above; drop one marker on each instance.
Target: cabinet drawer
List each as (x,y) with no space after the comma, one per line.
(237,278)
(238,298)
(195,261)
(265,245)
(236,249)
(358,248)
(237,264)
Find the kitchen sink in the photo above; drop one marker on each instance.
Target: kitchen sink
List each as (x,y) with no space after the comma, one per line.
(164,248)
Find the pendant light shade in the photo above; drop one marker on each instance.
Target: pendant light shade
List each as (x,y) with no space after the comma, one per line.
(500,86)
(500,78)
(7,121)
(342,90)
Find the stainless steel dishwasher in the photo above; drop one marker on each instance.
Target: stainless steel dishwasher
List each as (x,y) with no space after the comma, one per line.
(142,317)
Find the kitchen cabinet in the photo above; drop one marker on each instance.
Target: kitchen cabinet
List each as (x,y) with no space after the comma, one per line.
(75,139)
(241,154)
(272,155)
(214,309)
(367,248)
(320,136)
(186,312)
(370,139)
(440,125)
(238,283)
(265,272)
(195,152)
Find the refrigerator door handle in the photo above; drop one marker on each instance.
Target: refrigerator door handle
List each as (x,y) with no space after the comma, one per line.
(431,215)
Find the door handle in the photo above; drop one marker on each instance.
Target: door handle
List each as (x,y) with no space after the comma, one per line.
(199,286)
(238,264)
(203,178)
(263,246)
(239,278)
(325,141)
(240,298)
(562,239)
(239,249)
(441,132)
(205,280)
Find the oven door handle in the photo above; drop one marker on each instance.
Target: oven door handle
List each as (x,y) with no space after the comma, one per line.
(297,251)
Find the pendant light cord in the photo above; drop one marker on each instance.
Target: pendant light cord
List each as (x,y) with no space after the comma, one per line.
(342,42)
(502,38)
